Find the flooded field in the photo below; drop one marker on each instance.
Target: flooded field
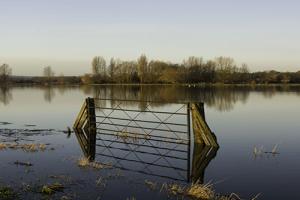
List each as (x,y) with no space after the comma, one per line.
(146,148)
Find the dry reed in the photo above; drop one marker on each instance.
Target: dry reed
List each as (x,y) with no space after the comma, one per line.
(195,191)
(26,147)
(131,136)
(86,163)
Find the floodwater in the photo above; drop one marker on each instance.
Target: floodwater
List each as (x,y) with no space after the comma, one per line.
(242,119)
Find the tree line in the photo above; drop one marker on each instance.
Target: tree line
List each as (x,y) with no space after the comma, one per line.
(193,70)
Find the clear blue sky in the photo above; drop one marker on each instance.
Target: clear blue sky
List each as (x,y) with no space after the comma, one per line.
(66,34)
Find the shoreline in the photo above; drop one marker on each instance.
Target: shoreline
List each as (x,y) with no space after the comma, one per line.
(160,84)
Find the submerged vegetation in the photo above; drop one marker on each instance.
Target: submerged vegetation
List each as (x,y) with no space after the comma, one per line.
(195,191)
(131,136)
(61,190)
(26,147)
(7,193)
(52,188)
(86,163)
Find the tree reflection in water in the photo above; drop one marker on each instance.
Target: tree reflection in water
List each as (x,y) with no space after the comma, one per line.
(5,95)
(49,93)
(222,98)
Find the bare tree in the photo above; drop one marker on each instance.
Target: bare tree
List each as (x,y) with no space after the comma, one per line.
(99,65)
(142,67)
(193,61)
(224,63)
(111,69)
(225,67)
(5,72)
(48,73)
(244,68)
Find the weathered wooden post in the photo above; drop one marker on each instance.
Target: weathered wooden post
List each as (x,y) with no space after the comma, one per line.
(202,156)
(205,142)
(81,117)
(85,128)
(91,125)
(189,141)
(202,132)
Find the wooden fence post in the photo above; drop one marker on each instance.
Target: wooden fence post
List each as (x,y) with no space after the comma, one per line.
(85,128)
(205,143)
(81,118)
(202,132)
(91,121)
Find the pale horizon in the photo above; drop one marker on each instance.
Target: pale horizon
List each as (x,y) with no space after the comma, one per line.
(67,34)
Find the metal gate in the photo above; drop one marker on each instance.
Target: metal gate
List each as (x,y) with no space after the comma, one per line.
(155,137)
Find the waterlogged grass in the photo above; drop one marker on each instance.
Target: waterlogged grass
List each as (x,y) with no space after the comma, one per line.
(3,146)
(138,137)
(7,193)
(131,137)
(26,147)
(200,191)
(83,162)
(195,191)
(48,189)
(53,188)
(86,163)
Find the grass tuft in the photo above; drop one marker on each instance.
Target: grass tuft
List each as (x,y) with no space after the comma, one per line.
(86,163)
(53,188)
(200,191)
(7,193)
(195,191)
(131,136)
(26,147)
(2,146)
(83,162)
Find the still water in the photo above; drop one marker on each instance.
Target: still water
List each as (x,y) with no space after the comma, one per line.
(240,117)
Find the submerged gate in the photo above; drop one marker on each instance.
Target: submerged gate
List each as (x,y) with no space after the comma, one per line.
(170,140)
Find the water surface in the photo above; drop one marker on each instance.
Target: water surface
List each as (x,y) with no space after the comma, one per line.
(241,118)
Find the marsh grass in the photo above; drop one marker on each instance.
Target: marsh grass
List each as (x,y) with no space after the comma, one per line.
(42,147)
(52,188)
(131,136)
(2,146)
(25,147)
(195,191)
(135,137)
(7,193)
(199,191)
(86,163)
(83,162)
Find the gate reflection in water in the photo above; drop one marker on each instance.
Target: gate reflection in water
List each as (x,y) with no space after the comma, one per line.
(168,140)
